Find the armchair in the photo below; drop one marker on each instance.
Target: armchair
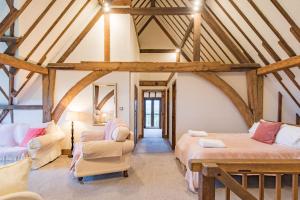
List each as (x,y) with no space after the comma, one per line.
(95,155)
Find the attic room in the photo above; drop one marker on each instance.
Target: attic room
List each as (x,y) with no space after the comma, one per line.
(149,99)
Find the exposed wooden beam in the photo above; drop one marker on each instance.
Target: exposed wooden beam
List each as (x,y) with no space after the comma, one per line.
(154,11)
(21,107)
(83,33)
(152,66)
(74,91)
(107,37)
(153,83)
(294,28)
(64,31)
(9,39)
(32,27)
(4,93)
(187,33)
(20,64)
(158,50)
(279,107)
(145,25)
(11,18)
(281,65)
(231,94)
(223,36)
(49,29)
(197,36)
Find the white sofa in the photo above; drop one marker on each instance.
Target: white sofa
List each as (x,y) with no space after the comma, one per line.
(41,150)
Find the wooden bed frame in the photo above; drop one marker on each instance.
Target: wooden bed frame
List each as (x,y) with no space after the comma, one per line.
(211,170)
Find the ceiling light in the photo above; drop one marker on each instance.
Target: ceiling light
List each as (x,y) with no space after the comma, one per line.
(177,50)
(106,7)
(196,8)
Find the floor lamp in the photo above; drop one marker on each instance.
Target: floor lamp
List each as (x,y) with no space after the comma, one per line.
(72,116)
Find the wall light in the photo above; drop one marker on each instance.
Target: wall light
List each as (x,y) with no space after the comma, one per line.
(197,5)
(177,50)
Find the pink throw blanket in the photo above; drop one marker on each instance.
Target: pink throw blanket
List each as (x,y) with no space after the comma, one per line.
(238,146)
(108,131)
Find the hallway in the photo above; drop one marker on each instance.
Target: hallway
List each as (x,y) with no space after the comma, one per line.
(153,142)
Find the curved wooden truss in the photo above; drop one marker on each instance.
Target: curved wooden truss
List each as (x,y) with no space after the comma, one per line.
(196,37)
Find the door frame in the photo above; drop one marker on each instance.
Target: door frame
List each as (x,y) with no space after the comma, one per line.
(174,115)
(163,107)
(135,105)
(168,114)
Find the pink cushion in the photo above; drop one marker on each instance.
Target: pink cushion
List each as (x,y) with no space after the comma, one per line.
(266,132)
(32,133)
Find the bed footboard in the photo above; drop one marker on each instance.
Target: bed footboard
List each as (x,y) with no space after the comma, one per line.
(222,170)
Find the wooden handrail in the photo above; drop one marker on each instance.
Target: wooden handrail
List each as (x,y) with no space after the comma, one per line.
(211,170)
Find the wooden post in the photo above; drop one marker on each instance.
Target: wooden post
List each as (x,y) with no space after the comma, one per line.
(279,108)
(206,190)
(46,108)
(196,46)
(107,37)
(255,94)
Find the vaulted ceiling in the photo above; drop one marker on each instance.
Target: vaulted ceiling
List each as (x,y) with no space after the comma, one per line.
(264,31)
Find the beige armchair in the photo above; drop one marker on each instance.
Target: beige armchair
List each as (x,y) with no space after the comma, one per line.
(95,155)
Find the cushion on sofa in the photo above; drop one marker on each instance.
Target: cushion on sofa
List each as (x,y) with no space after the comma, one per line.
(7,135)
(14,177)
(289,135)
(120,134)
(32,133)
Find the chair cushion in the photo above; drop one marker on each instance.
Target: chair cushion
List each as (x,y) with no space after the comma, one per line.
(32,133)
(14,177)
(120,134)
(7,135)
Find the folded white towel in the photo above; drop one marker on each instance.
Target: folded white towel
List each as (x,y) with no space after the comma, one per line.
(197,133)
(211,143)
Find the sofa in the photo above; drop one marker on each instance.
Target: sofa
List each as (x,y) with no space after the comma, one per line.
(41,150)
(14,181)
(104,151)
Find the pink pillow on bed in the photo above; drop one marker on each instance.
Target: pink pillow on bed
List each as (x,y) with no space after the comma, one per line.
(32,133)
(266,132)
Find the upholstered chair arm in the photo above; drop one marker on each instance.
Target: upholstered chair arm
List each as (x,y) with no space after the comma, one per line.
(44,141)
(21,195)
(87,136)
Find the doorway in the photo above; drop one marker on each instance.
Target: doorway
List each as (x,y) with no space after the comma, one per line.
(153,114)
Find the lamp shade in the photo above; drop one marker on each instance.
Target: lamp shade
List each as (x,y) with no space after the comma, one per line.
(73,116)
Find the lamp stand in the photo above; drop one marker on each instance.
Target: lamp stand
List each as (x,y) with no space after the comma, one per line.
(72,140)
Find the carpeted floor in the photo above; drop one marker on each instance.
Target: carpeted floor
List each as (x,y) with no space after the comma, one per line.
(154,176)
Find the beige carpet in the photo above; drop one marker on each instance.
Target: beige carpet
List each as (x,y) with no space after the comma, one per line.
(154,176)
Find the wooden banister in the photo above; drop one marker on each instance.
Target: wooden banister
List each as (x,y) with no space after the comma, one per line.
(222,170)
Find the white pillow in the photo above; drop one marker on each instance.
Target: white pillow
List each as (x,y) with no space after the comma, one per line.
(120,134)
(54,129)
(289,135)
(14,177)
(7,135)
(20,132)
(253,128)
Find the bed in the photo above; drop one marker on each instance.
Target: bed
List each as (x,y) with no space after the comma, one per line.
(238,146)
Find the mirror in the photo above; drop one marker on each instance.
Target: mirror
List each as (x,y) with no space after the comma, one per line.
(104,103)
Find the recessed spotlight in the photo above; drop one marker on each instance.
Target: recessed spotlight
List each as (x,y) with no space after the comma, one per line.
(177,50)
(196,8)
